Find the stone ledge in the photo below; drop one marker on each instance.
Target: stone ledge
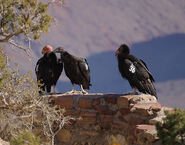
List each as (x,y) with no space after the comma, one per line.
(130,116)
(146,109)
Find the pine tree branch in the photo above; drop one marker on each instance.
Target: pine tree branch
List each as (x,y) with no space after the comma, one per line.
(8,37)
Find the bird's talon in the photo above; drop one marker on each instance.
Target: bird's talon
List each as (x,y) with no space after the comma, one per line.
(84,92)
(70,92)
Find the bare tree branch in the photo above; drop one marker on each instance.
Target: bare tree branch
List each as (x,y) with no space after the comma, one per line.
(11,35)
(27,50)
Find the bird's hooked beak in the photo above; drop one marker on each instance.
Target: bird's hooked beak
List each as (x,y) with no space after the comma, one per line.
(60,50)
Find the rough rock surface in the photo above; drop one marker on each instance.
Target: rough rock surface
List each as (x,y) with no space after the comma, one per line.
(108,119)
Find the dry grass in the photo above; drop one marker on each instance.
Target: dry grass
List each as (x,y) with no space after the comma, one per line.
(22,109)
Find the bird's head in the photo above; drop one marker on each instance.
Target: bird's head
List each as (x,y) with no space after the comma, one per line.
(47,49)
(123,50)
(59,50)
(62,51)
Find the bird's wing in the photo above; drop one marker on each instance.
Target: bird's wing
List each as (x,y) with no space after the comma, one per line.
(45,67)
(37,67)
(58,69)
(84,68)
(39,64)
(142,64)
(146,68)
(135,68)
(40,69)
(139,76)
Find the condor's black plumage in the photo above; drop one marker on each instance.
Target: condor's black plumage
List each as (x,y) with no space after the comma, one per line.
(48,70)
(135,71)
(76,69)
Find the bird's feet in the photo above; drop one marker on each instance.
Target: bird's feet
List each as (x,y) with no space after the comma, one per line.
(76,92)
(70,92)
(84,92)
(134,92)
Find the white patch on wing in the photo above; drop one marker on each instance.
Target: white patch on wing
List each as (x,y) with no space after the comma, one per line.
(132,68)
(86,66)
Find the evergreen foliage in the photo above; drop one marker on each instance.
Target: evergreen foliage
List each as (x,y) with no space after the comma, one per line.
(27,138)
(4,74)
(172,131)
(28,17)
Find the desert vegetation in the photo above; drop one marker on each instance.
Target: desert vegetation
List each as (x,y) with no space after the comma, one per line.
(23,111)
(172,131)
(26,117)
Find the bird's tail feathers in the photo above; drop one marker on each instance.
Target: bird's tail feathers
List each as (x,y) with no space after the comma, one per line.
(150,88)
(86,85)
(147,87)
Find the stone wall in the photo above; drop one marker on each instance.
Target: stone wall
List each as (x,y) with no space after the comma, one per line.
(110,119)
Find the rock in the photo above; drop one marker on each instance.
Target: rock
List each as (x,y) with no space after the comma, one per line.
(86,120)
(116,140)
(84,103)
(64,135)
(104,109)
(97,127)
(89,133)
(64,102)
(123,101)
(147,137)
(143,98)
(158,119)
(117,126)
(111,119)
(146,134)
(146,109)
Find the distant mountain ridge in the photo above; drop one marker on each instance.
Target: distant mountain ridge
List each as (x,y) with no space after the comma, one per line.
(86,27)
(94,29)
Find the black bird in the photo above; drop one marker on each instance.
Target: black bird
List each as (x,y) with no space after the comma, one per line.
(76,69)
(135,71)
(48,70)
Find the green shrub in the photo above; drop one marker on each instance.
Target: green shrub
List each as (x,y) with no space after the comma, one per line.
(172,131)
(27,138)
(4,73)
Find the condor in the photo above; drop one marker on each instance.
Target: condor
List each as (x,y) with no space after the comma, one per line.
(48,70)
(135,71)
(76,69)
